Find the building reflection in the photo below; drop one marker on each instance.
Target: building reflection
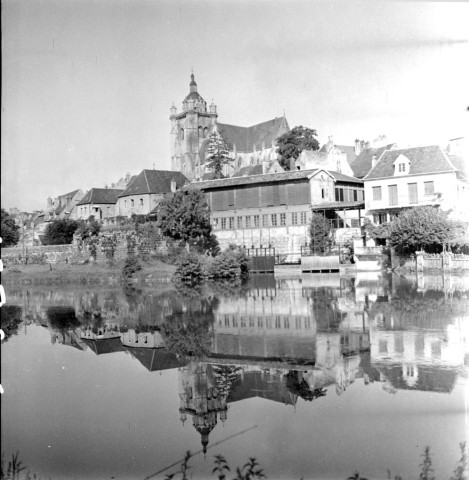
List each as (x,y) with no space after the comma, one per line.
(275,339)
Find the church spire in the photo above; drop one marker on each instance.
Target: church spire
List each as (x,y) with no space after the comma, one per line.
(193,85)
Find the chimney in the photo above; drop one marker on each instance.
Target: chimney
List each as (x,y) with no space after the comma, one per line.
(173,185)
(357,147)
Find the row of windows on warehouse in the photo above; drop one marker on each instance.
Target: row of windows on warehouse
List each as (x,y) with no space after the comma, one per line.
(264,220)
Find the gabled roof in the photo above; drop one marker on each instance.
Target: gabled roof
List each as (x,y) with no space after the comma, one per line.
(100,346)
(422,160)
(154,181)
(245,138)
(363,162)
(101,195)
(294,175)
(71,194)
(155,359)
(249,170)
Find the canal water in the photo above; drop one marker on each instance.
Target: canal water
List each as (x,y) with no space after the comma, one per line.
(316,377)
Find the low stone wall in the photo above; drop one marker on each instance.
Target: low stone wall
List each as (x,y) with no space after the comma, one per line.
(39,255)
(110,245)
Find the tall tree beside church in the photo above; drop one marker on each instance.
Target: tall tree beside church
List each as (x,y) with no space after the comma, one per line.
(292,143)
(217,153)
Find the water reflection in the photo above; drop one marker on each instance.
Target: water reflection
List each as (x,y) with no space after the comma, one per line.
(280,340)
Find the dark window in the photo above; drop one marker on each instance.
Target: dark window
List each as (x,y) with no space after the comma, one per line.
(339,194)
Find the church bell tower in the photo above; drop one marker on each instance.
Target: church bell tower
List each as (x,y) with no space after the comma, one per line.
(189,129)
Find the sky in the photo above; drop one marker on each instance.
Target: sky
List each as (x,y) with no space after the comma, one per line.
(87,84)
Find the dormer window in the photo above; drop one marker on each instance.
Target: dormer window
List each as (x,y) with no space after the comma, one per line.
(401,165)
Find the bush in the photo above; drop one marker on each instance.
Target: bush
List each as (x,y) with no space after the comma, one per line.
(189,269)
(131,265)
(60,232)
(225,265)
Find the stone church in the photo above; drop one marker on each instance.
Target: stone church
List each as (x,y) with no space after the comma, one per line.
(248,146)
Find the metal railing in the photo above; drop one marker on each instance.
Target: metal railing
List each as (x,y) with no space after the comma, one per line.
(261,252)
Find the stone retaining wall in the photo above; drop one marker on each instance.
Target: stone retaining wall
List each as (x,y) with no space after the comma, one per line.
(121,242)
(39,255)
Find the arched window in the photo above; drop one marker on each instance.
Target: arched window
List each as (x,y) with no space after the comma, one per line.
(205,132)
(132,203)
(201,132)
(125,203)
(141,202)
(182,133)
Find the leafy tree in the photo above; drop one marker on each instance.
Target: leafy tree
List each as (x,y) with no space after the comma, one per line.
(292,143)
(9,230)
(217,153)
(185,216)
(60,232)
(423,228)
(89,228)
(319,230)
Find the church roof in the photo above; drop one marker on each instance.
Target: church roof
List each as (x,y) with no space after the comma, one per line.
(101,195)
(154,181)
(422,160)
(246,138)
(193,96)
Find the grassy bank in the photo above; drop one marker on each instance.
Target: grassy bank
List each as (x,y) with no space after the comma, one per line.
(91,273)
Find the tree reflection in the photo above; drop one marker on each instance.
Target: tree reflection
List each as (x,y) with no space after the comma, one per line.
(62,318)
(11,317)
(299,386)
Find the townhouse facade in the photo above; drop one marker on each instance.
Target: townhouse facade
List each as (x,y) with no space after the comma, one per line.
(145,192)
(99,203)
(411,177)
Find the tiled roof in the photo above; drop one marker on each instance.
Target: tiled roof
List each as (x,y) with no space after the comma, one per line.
(362,164)
(101,346)
(155,359)
(71,194)
(422,160)
(154,181)
(244,138)
(249,170)
(267,178)
(100,195)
